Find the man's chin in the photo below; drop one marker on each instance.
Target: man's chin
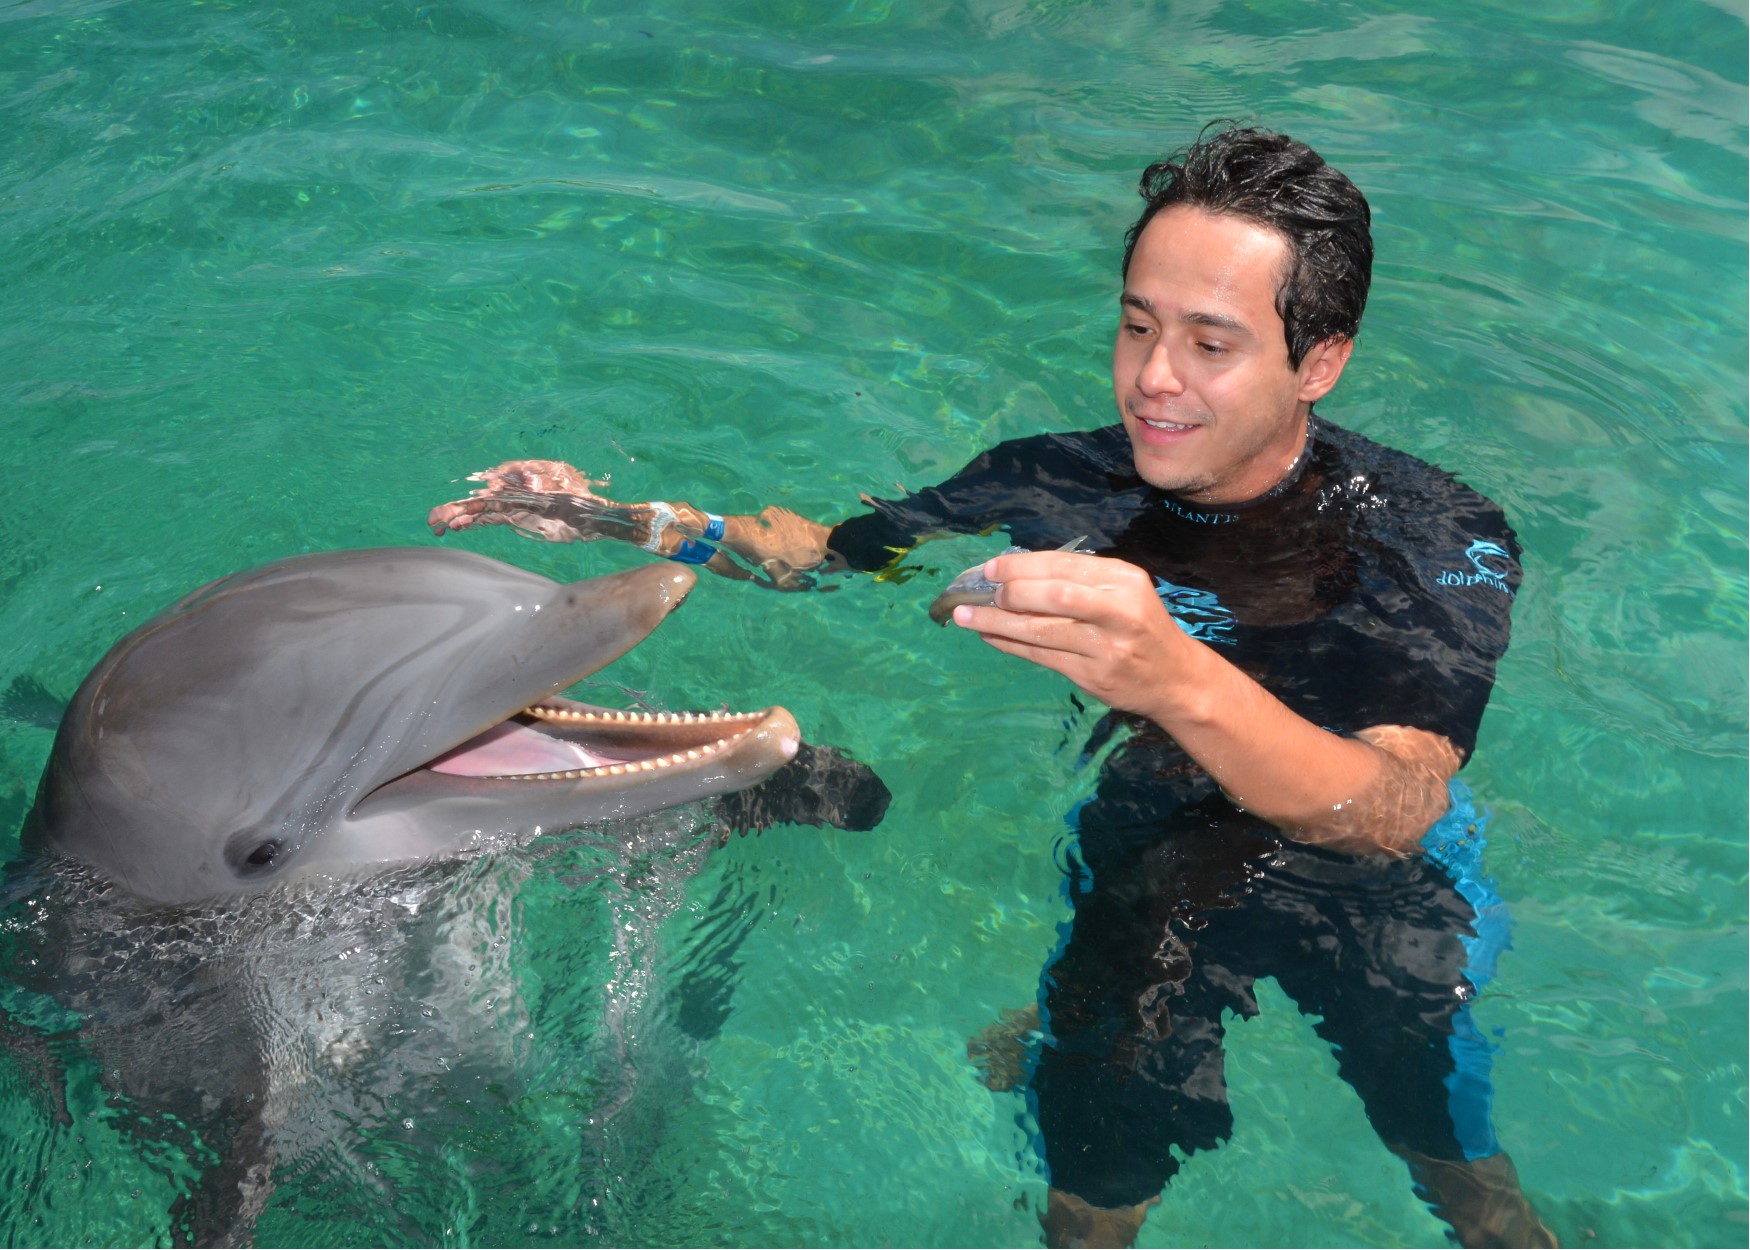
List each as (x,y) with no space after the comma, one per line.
(1171,475)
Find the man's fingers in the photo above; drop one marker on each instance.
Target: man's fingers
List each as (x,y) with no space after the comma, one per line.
(457,515)
(535,477)
(1034,631)
(1048,657)
(1071,566)
(487,510)
(1097,590)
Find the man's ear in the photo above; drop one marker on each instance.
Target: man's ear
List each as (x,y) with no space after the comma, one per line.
(1321,367)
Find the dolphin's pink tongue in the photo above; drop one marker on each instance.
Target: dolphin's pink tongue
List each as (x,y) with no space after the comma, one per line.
(509,749)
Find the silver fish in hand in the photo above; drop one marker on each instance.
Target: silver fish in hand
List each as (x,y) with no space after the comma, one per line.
(975,588)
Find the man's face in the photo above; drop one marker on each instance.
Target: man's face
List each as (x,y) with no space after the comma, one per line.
(1200,370)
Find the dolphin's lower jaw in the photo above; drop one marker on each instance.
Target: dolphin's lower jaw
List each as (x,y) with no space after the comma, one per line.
(558,765)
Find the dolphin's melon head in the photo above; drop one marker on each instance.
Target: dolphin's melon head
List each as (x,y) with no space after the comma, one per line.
(335,711)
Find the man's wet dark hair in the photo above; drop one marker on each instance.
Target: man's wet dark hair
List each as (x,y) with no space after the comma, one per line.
(1285,186)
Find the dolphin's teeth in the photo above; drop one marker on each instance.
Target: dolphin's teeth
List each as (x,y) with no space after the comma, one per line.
(692,755)
(574,716)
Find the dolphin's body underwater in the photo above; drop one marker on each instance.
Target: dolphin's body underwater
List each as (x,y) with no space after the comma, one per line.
(333,712)
(242,870)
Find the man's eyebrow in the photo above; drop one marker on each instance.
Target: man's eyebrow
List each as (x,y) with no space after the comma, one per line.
(1214,321)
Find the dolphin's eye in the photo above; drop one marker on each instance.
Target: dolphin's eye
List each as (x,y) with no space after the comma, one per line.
(263,855)
(249,852)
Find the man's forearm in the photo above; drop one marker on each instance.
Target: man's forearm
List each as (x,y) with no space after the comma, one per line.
(1101,623)
(555,501)
(1380,790)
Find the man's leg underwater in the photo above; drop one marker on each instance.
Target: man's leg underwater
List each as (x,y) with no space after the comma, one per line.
(1002,1052)
(1130,1075)
(1391,988)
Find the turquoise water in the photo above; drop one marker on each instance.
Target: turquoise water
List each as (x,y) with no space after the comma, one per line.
(274,278)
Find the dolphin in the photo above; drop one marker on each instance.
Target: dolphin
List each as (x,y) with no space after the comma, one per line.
(263,866)
(344,711)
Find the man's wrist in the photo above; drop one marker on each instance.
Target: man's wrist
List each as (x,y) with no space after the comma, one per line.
(765,544)
(1190,687)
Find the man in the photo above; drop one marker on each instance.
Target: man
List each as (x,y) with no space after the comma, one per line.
(1296,631)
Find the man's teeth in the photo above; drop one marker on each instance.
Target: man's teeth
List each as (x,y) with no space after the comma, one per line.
(1166,425)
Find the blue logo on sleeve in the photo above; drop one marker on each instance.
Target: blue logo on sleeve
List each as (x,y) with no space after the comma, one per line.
(1198,612)
(1491,564)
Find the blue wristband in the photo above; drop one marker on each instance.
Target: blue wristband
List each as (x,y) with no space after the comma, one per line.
(713,526)
(692,551)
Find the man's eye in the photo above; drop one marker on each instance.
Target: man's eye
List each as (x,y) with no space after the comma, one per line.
(1212,349)
(1135,328)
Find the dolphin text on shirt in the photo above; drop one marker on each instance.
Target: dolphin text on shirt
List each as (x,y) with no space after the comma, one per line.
(1484,575)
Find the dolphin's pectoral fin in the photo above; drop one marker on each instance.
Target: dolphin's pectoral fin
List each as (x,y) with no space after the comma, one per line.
(27,701)
(821,786)
(36,1054)
(227,1201)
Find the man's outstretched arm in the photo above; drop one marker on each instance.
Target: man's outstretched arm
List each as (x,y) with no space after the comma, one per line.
(1099,623)
(549,499)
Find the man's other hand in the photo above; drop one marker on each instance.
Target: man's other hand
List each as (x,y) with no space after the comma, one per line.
(546,499)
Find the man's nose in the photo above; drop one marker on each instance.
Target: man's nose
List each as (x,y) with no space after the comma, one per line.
(1158,377)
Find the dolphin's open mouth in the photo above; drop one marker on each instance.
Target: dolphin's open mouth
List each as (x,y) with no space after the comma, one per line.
(563,740)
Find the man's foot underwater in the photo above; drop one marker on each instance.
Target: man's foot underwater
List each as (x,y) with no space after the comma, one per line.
(1480,1198)
(1070,1221)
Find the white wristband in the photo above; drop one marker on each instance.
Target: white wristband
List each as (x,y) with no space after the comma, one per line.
(662,517)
